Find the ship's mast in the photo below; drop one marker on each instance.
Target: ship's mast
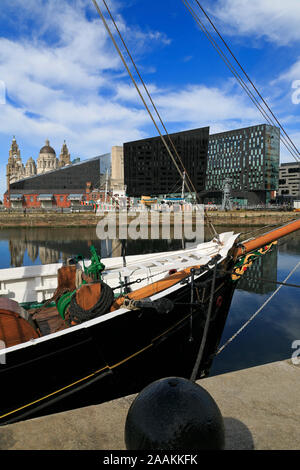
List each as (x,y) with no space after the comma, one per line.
(106,185)
(183,181)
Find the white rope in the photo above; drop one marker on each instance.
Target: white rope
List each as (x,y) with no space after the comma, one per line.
(259,310)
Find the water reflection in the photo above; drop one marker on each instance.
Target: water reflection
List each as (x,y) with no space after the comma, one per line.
(17,250)
(264,267)
(268,338)
(49,245)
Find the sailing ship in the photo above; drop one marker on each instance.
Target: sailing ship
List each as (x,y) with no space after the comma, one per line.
(101,326)
(85,332)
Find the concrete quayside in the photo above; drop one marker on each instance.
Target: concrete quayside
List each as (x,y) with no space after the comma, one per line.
(260,407)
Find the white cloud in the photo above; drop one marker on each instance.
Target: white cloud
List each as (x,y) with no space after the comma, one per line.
(275,20)
(293,73)
(285,155)
(197,105)
(74,86)
(63,76)
(128,93)
(203,105)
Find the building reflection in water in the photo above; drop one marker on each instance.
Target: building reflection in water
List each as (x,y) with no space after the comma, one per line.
(48,255)
(17,250)
(41,253)
(47,246)
(33,251)
(264,267)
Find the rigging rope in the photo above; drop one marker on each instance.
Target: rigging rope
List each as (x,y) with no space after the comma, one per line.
(247,76)
(286,284)
(264,227)
(240,80)
(258,311)
(205,332)
(210,224)
(149,96)
(136,86)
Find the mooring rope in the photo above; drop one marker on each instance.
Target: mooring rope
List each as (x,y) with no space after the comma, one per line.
(258,311)
(252,232)
(205,332)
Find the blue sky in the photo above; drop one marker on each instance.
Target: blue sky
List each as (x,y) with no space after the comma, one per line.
(63,79)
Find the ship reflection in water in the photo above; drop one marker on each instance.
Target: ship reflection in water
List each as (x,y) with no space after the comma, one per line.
(45,246)
(266,339)
(262,268)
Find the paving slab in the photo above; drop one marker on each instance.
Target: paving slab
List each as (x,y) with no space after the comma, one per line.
(260,407)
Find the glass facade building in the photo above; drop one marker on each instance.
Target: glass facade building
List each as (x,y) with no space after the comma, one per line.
(249,158)
(71,177)
(61,188)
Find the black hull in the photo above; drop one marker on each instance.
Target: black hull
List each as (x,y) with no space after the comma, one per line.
(114,358)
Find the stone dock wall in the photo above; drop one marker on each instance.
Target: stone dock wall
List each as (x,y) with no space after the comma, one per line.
(230,218)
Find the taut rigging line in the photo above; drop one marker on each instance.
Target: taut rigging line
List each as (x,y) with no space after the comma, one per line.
(148,94)
(136,86)
(259,310)
(288,143)
(215,234)
(247,76)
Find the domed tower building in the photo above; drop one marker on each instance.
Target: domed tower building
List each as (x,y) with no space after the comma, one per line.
(30,168)
(64,157)
(47,160)
(14,169)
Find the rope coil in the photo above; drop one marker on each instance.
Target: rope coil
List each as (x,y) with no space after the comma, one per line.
(77,314)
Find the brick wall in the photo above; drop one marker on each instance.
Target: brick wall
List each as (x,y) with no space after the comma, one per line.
(31,201)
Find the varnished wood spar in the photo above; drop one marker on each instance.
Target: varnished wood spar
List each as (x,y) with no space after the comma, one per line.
(173,279)
(155,287)
(267,238)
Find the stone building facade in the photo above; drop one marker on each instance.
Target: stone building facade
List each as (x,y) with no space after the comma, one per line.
(64,157)
(64,187)
(14,169)
(46,161)
(117,169)
(289,180)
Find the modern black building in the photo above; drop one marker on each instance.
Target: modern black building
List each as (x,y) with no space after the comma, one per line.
(249,158)
(70,177)
(58,187)
(149,169)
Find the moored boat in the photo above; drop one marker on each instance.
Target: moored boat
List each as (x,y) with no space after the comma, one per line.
(85,332)
(153,318)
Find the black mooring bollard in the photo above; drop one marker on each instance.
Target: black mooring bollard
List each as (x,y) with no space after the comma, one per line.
(174,413)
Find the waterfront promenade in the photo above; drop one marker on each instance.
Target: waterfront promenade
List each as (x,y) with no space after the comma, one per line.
(260,407)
